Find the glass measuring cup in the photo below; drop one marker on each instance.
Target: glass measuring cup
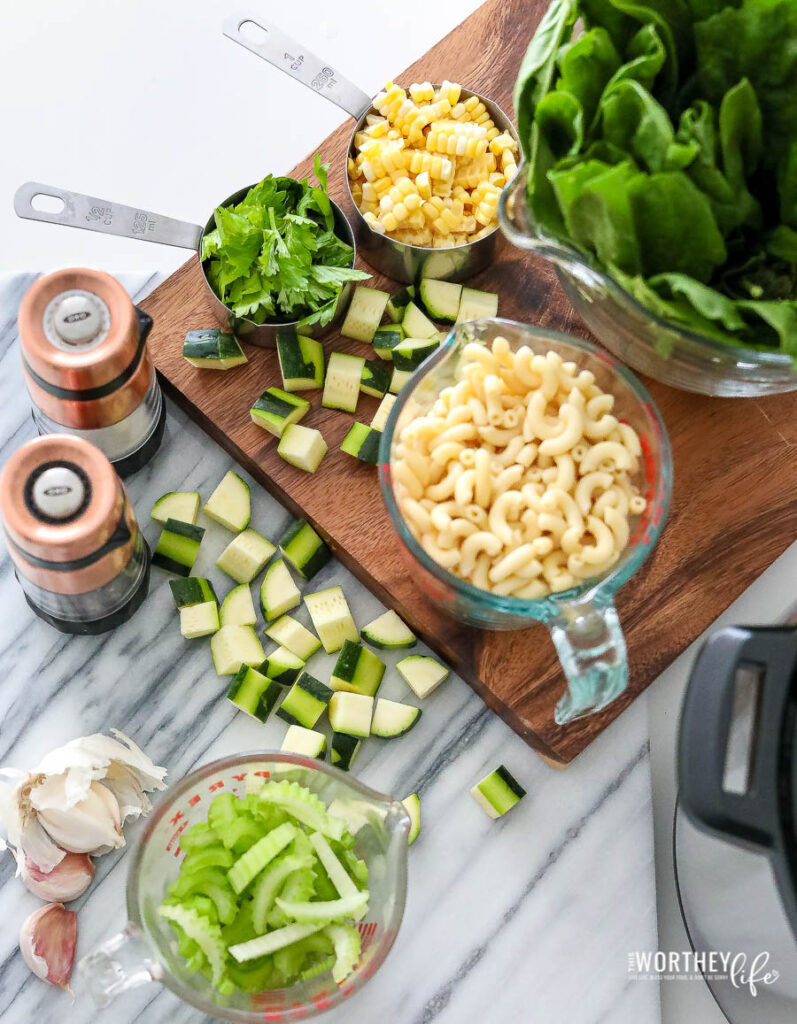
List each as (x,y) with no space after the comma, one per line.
(583,621)
(146,949)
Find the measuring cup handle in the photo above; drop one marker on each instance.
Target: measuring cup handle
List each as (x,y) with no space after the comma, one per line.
(123,962)
(591,649)
(295,60)
(92,214)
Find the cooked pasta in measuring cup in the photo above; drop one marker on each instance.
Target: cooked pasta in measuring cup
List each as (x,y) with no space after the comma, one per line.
(519,479)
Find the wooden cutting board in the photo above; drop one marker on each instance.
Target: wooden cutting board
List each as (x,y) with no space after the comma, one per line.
(734,506)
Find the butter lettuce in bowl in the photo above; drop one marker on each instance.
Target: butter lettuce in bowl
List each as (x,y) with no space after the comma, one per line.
(660,175)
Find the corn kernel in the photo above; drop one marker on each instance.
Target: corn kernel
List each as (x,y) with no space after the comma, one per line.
(440,226)
(423,185)
(389,222)
(373,223)
(423,92)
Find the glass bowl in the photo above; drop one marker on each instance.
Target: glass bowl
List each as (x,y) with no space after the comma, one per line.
(582,620)
(658,348)
(146,950)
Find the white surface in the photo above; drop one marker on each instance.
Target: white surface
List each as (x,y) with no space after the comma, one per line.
(764,603)
(146,103)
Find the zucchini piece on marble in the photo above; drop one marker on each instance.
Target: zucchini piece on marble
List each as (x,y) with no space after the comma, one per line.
(498,792)
(277,409)
(213,349)
(303,549)
(299,740)
(295,637)
(180,505)
(229,504)
(199,619)
(351,713)
(192,590)
(245,556)
(254,693)
(343,750)
(388,632)
(412,805)
(238,608)
(278,592)
(234,646)
(331,617)
(305,701)
(392,718)
(281,666)
(178,547)
(357,670)
(422,674)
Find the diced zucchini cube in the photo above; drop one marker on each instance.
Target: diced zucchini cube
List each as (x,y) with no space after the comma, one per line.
(301,362)
(238,608)
(229,503)
(278,592)
(303,549)
(363,443)
(422,674)
(498,792)
(351,713)
(476,305)
(295,637)
(253,692)
(331,617)
(178,547)
(344,750)
(180,505)
(281,666)
(233,646)
(299,740)
(277,409)
(342,382)
(191,590)
(357,670)
(303,447)
(245,556)
(199,619)
(364,313)
(305,701)
(379,421)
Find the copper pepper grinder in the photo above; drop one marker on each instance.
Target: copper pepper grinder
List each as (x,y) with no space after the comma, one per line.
(86,364)
(73,538)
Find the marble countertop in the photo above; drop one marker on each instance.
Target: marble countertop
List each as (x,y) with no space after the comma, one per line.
(525,919)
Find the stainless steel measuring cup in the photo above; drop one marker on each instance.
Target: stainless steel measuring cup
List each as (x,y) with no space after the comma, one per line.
(402,262)
(92,214)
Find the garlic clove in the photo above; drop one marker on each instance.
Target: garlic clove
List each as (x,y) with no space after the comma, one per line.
(65,882)
(92,823)
(47,941)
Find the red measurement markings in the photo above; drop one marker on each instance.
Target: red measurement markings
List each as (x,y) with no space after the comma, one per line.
(175,836)
(194,800)
(219,784)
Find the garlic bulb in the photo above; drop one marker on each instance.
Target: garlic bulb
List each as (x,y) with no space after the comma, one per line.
(47,941)
(90,824)
(65,882)
(76,800)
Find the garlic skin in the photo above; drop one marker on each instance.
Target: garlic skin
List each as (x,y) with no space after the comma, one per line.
(47,941)
(65,882)
(92,823)
(40,816)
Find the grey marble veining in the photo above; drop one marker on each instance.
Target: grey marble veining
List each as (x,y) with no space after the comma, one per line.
(527,920)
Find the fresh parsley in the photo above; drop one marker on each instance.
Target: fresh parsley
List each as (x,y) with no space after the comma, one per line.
(274,256)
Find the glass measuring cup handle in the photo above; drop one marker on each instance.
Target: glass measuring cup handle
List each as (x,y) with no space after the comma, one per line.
(104,216)
(591,648)
(289,55)
(122,962)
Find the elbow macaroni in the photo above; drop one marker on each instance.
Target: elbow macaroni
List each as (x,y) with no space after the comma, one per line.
(521,478)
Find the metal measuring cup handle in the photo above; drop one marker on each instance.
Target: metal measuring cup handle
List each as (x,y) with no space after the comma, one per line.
(289,55)
(93,214)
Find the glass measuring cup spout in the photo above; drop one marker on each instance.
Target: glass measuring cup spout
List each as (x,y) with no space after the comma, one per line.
(582,620)
(145,950)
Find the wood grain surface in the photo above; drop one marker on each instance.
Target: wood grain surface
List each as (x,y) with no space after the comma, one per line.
(733,511)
